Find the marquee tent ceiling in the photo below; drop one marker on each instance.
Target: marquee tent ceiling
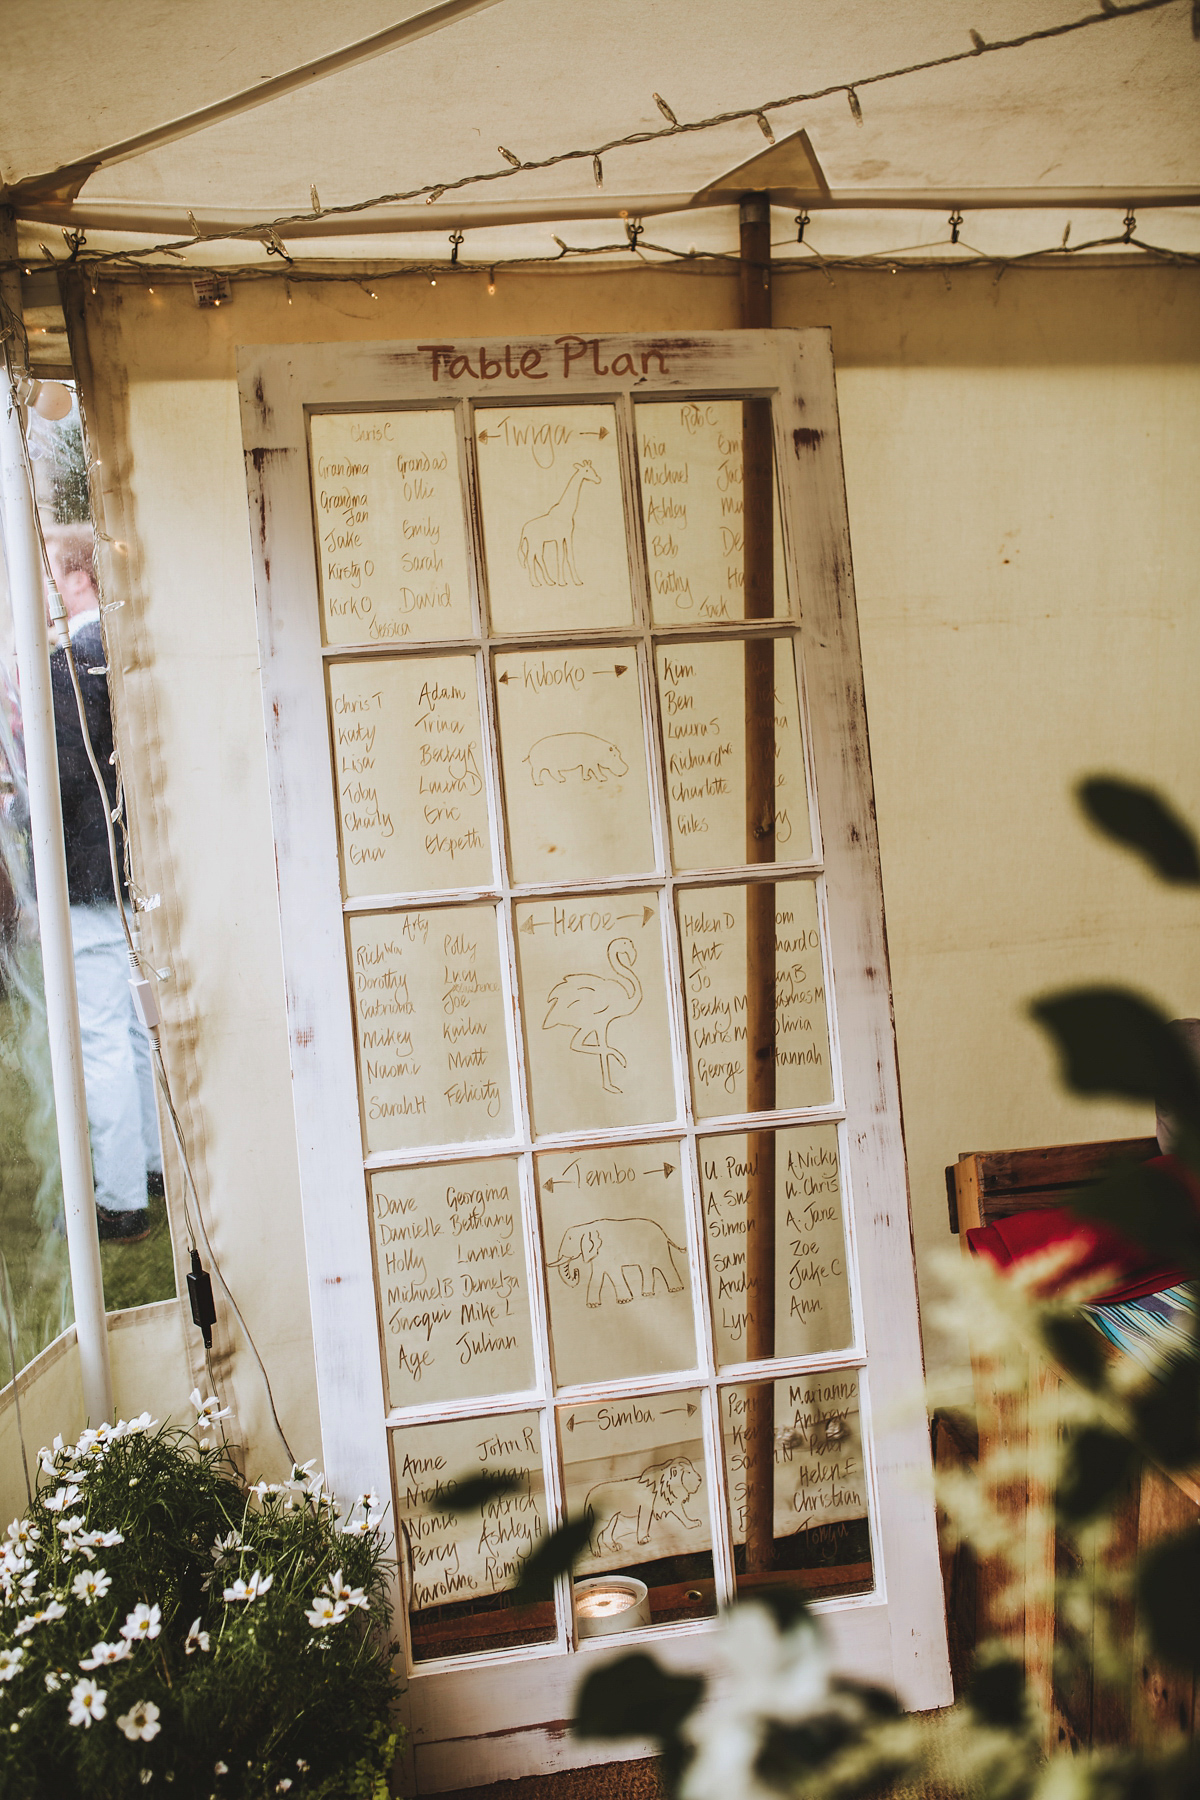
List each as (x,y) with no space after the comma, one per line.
(1111,108)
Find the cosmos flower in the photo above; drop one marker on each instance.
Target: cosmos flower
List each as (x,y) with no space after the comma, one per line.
(208,1410)
(103,1654)
(23,1534)
(348,1596)
(141,1721)
(62,1498)
(45,1615)
(10,1661)
(143,1622)
(91,1584)
(249,1590)
(87,1702)
(196,1639)
(325,1611)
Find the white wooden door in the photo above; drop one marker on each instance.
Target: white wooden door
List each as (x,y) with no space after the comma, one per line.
(594,1073)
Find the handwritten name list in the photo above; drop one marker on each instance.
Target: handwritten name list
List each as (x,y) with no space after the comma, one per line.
(429,1009)
(812,1296)
(455,1557)
(712,929)
(817,1452)
(391,534)
(573,751)
(553,518)
(409,771)
(617,1262)
(702,700)
(690,464)
(451,1283)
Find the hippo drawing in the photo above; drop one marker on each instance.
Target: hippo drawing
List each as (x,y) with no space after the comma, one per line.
(574,752)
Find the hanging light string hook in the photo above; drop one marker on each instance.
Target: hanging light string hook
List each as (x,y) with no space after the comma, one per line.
(956,222)
(75,241)
(802,222)
(1130,224)
(456,238)
(633,231)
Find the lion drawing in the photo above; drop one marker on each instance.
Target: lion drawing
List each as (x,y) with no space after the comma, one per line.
(660,1492)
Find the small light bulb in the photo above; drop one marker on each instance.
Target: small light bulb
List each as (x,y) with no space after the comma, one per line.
(150,290)
(433,281)
(216,303)
(491,287)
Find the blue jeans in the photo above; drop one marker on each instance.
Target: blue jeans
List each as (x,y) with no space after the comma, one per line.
(117,1070)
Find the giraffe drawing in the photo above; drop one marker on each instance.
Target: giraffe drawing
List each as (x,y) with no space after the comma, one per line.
(546,548)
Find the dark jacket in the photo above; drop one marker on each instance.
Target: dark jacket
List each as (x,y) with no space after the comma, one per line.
(89,877)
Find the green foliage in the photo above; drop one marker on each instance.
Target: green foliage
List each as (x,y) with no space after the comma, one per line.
(234,1638)
(772,1719)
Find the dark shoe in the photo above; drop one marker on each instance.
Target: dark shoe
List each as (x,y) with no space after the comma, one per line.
(154,1184)
(122,1227)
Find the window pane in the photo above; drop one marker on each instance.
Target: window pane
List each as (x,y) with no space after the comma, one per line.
(429,1010)
(797,1490)
(750,1009)
(594,1003)
(707,697)
(690,469)
(573,749)
(459,1568)
(553,518)
(638,1467)
(773,1218)
(451,1283)
(619,1284)
(391,532)
(412,806)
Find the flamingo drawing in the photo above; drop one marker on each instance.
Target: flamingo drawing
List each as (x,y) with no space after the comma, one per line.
(589,1005)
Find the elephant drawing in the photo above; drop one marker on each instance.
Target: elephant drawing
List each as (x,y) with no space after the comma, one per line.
(609,1248)
(659,1492)
(574,752)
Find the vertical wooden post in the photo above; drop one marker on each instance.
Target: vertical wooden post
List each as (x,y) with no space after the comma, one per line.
(758,492)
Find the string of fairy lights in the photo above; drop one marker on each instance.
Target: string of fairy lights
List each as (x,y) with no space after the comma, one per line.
(270,233)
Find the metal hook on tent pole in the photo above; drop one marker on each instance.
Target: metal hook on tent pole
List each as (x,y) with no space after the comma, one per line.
(956,220)
(1130,224)
(802,219)
(75,241)
(456,238)
(633,231)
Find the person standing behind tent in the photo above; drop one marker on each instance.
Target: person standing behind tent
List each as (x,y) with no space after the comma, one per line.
(126,1149)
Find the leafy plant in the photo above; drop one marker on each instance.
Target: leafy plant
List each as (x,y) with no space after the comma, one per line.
(163,1627)
(772,1719)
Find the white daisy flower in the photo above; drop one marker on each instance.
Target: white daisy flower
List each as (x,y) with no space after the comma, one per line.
(350,1596)
(10,1661)
(131,1427)
(196,1639)
(143,1622)
(91,1584)
(53,1679)
(141,1721)
(325,1611)
(249,1590)
(62,1498)
(208,1409)
(106,1539)
(45,1615)
(87,1702)
(28,1582)
(225,1548)
(23,1534)
(103,1654)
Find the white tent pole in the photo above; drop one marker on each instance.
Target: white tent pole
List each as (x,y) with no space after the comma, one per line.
(22,553)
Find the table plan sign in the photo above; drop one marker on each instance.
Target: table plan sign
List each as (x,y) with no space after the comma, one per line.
(597,1111)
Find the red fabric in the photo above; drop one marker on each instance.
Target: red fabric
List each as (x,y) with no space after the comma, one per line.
(1099,1249)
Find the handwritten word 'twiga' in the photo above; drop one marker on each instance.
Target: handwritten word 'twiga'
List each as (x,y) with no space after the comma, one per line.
(519,363)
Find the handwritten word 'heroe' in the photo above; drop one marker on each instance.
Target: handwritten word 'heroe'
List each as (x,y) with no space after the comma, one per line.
(518,363)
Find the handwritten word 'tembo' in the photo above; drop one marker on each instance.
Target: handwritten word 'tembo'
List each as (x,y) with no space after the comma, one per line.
(517,364)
